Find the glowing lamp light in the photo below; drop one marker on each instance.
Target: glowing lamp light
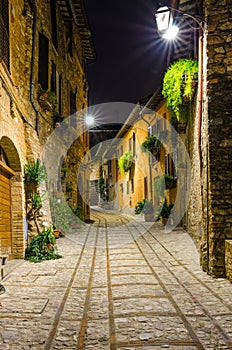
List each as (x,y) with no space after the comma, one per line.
(171,32)
(164,21)
(89,119)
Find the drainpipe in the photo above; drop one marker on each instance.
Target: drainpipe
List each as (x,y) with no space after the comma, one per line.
(32,79)
(149,155)
(199,98)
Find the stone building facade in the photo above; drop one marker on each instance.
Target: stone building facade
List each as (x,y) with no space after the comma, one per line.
(44,48)
(216,136)
(208,136)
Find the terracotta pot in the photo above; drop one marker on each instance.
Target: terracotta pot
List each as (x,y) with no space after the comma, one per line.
(57,233)
(149,217)
(164,221)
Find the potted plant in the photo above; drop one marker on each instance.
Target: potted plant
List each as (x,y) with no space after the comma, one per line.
(34,173)
(146,207)
(148,211)
(165,211)
(170,182)
(42,247)
(47,100)
(179,86)
(153,145)
(125,162)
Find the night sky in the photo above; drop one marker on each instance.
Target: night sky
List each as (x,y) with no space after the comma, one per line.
(131,58)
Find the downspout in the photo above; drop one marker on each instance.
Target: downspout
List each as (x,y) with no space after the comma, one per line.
(199,98)
(32,79)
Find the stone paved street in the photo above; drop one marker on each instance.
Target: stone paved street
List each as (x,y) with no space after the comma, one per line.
(121,284)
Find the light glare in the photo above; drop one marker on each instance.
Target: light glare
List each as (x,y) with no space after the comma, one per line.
(171,33)
(89,119)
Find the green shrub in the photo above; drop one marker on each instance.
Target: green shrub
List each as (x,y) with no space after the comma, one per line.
(42,247)
(34,173)
(125,162)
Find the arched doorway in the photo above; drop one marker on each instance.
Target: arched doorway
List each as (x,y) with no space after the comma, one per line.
(11,201)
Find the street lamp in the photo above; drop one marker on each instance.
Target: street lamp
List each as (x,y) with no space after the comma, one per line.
(165,25)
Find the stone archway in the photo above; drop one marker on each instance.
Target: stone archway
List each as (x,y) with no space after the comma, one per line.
(11,174)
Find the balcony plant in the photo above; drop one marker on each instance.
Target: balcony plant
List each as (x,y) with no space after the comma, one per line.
(153,145)
(125,162)
(179,85)
(47,100)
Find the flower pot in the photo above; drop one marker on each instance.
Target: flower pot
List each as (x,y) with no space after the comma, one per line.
(149,217)
(164,221)
(57,233)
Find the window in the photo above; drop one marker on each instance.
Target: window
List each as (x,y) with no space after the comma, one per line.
(4,33)
(145,185)
(53,78)
(43,61)
(54,24)
(72,108)
(59,96)
(69,38)
(132,186)
(169,165)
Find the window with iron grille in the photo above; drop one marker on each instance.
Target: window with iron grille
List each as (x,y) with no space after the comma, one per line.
(4,33)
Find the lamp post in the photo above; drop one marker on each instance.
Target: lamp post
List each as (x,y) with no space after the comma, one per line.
(168,29)
(165,27)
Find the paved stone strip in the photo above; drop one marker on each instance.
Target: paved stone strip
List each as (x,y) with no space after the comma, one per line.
(178,310)
(227,339)
(110,299)
(223,301)
(61,307)
(83,326)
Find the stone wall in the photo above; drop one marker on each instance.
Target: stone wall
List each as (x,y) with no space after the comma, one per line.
(194,212)
(216,137)
(20,109)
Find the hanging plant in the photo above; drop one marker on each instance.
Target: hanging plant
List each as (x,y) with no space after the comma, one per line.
(125,162)
(179,85)
(153,145)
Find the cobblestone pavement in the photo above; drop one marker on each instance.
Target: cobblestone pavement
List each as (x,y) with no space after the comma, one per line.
(121,285)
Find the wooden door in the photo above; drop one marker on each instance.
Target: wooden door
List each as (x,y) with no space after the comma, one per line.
(5,211)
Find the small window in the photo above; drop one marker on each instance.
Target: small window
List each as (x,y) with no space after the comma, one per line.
(145,184)
(132,186)
(169,165)
(69,38)
(59,96)
(43,61)
(72,108)
(53,78)
(4,33)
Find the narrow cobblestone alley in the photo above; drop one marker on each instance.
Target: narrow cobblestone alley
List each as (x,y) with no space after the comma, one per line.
(121,284)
